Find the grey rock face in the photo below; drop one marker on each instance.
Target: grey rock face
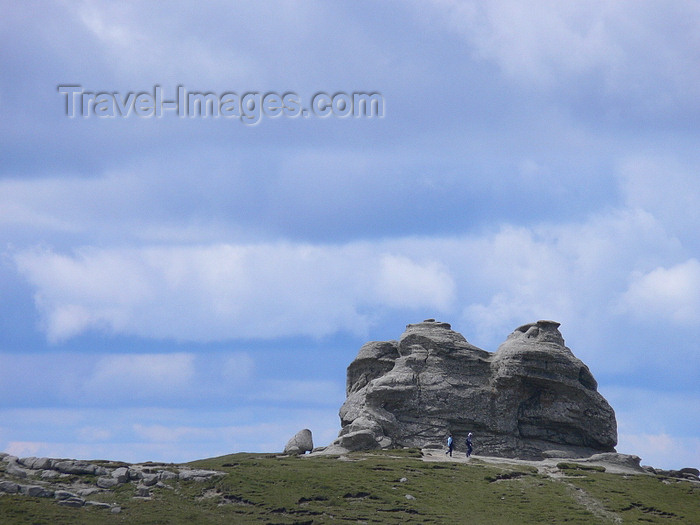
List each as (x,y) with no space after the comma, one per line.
(301,443)
(531,396)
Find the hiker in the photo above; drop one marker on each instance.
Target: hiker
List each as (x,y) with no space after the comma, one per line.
(449,445)
(469,444)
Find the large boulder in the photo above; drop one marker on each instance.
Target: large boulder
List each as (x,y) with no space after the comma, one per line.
(301,443)
(529,397)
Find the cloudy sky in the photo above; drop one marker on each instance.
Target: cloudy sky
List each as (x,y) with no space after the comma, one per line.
(177,287)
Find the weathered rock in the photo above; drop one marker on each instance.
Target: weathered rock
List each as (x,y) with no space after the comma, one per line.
(301,443)
(9,487)
(88,492)
(72,466)
(49,474)
(98,504)
(121,474)
(142,491)
(36,491)
(64,494)
(168,475)
(150,479)
(14,470)
(72,502)
(531,396)
(107,483)
(198,474)
(35,463)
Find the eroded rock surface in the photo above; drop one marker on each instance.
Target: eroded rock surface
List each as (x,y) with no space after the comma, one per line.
(300,443)
(529,397)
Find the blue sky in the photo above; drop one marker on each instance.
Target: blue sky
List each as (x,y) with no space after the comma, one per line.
(176,288)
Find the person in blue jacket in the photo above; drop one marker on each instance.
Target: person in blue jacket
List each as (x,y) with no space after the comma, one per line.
(449,445)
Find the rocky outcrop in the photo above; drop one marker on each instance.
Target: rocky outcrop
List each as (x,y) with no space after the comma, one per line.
(72,482)
(301,443)
(531,397)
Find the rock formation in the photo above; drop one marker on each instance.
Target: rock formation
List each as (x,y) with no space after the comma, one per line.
(530,399)
(301,443)
(73,483)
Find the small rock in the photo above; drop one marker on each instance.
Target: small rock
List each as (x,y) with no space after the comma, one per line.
(143,491)
(88,492)
(98,504)
(49,474)
(18,472)
(70,466)
(197,475)
(408,496)
(64,494)
(165,475)
(403,480)
(9,487)
(150,479)
(37,491)
(35,463)
(301,443)
(121,474)
(72,502)
(107,483)
(116,510)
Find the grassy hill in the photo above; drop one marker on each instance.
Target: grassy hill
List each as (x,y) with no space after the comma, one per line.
(381,487)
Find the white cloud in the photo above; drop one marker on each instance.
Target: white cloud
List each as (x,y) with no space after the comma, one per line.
(668,294)
(666,188)
(404,283)
(662,450)
(613,48)
(141,375)
(224,291)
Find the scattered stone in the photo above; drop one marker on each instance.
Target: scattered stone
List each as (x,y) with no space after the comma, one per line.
(9,487)
(98,504)
(72,502)
(88,492)
(78,467)
(35,463)
(36,491)
(529,397)
(168,475)
(121,474)
(107,483)
(613,458)
(301,443)
(64,494)
(408,496)
(198,475)
(403,480)
(49,474)
(143,491)
(18,472)
(150,479)
(116,510)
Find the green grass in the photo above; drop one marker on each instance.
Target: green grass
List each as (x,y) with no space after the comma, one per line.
(366,488)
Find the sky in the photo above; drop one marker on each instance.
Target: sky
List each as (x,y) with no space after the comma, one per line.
(180,282)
